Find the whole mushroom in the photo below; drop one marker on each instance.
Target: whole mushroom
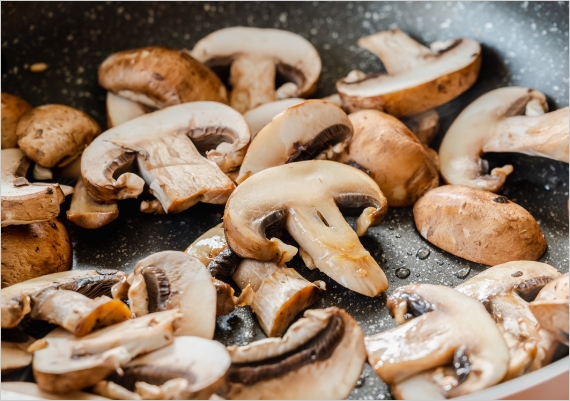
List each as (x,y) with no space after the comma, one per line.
(12,109)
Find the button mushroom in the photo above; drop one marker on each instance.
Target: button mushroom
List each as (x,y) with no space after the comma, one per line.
(418,78)
(165,144)
(31,391)
(121,110)
(441,333)
(12,109)
(403,168)
(305,198)
(15,355)
(551,308)
(478,225)
(321,356)
(87,213)
(160,77)
(255,55)
(424,125)
(260,116)
(311,129)
(503,120)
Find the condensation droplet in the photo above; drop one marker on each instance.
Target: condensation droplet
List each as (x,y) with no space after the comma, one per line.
(463,272)
(402,272)
(422,253)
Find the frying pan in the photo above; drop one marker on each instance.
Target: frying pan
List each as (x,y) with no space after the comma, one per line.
(523,44)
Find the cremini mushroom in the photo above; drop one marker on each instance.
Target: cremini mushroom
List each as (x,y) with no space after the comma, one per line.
(551,308)
(260,116)
(424,125)
(68,364)
(308,130)
(12,109)
(166,145)
(255,55)
(160,77)
(87,213)
(121,110)
(31,391)
(417,79)
(24,202)
(305,198)
(172,279)
(321,356)
(33,250)
(15,355)
(447,328)
(478,225)
(403,168)
(503,120)
(54,135)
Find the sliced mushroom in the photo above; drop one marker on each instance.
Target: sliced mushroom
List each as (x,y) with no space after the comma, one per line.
(31,391)
(418,78)
(15,355)
(503,120)
(33,250)
(22,201)
(54,135)
(308,130)
(172,279)
(424,125)
(403,168)
(91,283)
(226,301)
(161,143)
(67,364)
(441,333)
(551,308)
(478,225)
(121,110)
(320,356)
(87,213)
(160,77)
(113,391)
(260,116)
(305,197)
(12,109)
(255,55)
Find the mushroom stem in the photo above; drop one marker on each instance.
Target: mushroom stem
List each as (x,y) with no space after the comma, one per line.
(255,87)
(87,213)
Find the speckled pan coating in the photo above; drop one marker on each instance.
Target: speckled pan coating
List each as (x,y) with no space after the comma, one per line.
(523,44)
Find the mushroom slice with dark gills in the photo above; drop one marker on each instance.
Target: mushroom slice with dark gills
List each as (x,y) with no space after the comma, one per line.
(308,130)
(449,328)
(305,198)
(551,308)
(87,213)
(67,364)
(175,280)
(166,145)
(320,357)
(16,302)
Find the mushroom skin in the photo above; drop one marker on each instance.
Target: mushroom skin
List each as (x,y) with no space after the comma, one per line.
(440,333)
(160,77)
(33,250)
(278,368)
(260,116)
(551,308)
(424,125)
(403,168)
(305,198)
(15,355)
(504,120)
(12,109)
(87,213)
(478,225)
(54,135)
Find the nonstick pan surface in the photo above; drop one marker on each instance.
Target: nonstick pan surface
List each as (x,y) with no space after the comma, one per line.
(524,44)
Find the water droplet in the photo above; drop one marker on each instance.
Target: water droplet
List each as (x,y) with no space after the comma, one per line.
(440,262)
(383,258)
(408,252)
(463,272)
(547,187)
(390,228)
(398,236)
(422,253)
(417,274)
(360,382)
(402,272)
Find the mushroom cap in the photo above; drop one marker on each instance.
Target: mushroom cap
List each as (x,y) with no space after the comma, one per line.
(121,110)
(401,166)
(34,250)
(54,135)
(260,116)
(87,213)
(12,109)
(551,308)
(22,202)
(160,77)
(478,225)
(306,197)
(15,355)
(299,133)
(31,391)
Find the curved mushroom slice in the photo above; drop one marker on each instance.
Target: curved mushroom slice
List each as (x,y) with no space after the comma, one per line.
(121,110)
(442,333)
(551,308)
(424,125)
(87,213)
(311,129)
(160,77)
(225,299)
(31,391)
(402,167)
(306,197)
(12,109)
(33,250)
(260,116)
(321,356)
(24,202)
(255,55)
(91,283)
(67,364)
(114,391)
(198,365)
(503,120)
(15,355)
(164,142)
(172,279)
(418,78)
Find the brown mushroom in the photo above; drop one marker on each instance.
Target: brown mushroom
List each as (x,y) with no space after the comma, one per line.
(12,109)
(424,125)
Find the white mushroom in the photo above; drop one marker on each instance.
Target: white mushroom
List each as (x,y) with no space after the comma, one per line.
(260,116)
(15,355)
(121,110)
(31,391)
(87,213)
(551,308)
